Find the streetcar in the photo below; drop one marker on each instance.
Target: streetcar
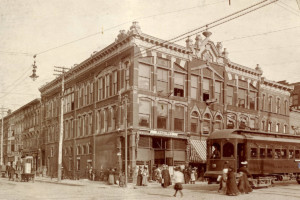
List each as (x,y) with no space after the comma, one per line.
(270,156)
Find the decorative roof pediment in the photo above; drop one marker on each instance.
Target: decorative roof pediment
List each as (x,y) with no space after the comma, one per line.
(207,71)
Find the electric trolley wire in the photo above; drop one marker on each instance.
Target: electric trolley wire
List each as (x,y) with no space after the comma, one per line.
(113,27)
(207,26)
(259,34)
(288,9)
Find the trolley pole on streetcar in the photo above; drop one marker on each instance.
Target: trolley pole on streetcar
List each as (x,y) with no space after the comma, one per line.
(61,70)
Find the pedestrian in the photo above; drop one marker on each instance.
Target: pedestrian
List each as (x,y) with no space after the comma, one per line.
(223,178)
(186,175)
(193,176)
(231,186)
(116,176)
(178,180)
(166,178)
(145,176)
(12,172)
(90,173)
(139,177)
(122,180)
(111,180)
(244,185)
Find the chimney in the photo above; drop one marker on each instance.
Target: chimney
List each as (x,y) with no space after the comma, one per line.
(189,43)
(225,53)
(198,41)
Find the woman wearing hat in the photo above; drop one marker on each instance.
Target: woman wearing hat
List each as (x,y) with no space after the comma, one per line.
(139,176)
(244,185)
(166,178)
(231,187)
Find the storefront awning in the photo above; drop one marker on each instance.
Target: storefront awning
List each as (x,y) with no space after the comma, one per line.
(198,151)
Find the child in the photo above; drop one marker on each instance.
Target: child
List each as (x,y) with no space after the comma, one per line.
(178,179)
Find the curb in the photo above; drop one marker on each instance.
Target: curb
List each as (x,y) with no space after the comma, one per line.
(61,183)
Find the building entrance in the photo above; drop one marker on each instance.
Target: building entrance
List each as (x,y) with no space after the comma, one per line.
(162,150)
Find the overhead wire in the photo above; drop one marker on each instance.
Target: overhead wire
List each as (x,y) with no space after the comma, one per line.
(291,11)
(207,26)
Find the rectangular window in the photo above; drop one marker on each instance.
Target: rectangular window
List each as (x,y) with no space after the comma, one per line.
(295,100)
(277,106)
(179,83)
(79,126)
(100,88)
(229,99)
(262,153)
(115,83)
(179,118)
(252,99)
(218,91)
(253,152)
(90,124)
(270,153)
(206,89)
(277,153)
(194,87)
(163,62)
(91,96)
(144,76)
(127,73)
(162,116)
(297,154)
(144,113)
(291,154)
(242,98)
(194,125)
(162,81)
(107,84)
(78,164)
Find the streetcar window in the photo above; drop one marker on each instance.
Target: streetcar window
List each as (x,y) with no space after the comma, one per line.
(253,152)
(283,153)
(228,150)
(291,154)
(297,154)
(269,153)
(262,153)
(216,151)
(277,154)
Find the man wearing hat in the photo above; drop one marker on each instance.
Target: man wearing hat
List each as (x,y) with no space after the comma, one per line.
(244,185)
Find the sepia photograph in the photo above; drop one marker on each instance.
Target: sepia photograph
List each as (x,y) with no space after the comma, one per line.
(161,99)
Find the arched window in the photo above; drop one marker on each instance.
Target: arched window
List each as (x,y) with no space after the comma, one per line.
(228,150)
(286,107)
(206,123)
(194,122)
(285,129)
(269,126)
(78,150)
(243,123)
(277,127)
(231,121)
(270,103)
(218,123)
(263,125)
(84,149)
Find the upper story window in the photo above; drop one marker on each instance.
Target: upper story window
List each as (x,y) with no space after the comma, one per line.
(162,80)
(179,84)
(277,127)
(144,113)
(100,89)
(270,103)
(218,91)
(91,95)
(194,87)
(206,89)
(206,123)
(194,122)
(269,127)
(286,107)
(127,75)
(115,82)
(295,98)
(263,102)
(252,100)
(107,85)
(179,118)
(218,123)
(242,98)
(144,76)
(229,95)
(277,105)
(162,116)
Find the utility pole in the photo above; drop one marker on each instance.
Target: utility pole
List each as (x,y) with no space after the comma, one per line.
(126,148)
(2,132)
(61,70)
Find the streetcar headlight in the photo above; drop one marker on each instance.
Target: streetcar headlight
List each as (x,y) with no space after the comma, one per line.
(214,165)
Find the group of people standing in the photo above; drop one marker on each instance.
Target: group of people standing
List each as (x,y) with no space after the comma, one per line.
(229,183)
(142,176)
(14,170)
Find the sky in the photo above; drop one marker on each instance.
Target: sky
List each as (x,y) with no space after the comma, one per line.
(66,32)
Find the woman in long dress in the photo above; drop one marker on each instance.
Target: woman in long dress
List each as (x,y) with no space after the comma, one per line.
(139,177)
(244,185)
(166,178)
(231,186)
(145,176)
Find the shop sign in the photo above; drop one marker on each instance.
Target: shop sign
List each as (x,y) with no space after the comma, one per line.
(162,133)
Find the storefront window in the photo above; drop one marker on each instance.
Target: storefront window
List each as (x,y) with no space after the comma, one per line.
(179,118)
(144,113)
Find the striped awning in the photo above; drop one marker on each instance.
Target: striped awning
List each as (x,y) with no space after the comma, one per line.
(198,151)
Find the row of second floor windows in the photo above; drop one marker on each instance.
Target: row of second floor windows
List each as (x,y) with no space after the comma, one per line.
(269,126)
(274,104)
(203,90)
(84,126)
